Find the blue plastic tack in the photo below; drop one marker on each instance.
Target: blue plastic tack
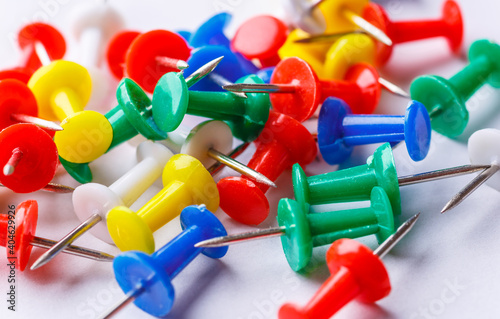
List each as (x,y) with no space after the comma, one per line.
(339,130)
(229,68)
(212,33)
(185,34)
(151,275)
(265,74)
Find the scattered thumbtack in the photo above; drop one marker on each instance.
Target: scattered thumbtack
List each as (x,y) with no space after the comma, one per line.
(356,272)
(146,280)
(339,130)
(25,221)
(116,52)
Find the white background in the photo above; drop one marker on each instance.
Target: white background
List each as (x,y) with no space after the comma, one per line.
(445,268)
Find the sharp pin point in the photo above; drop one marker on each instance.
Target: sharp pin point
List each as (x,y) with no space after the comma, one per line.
(390,242)
(14,159)
(393,88)
(48,125)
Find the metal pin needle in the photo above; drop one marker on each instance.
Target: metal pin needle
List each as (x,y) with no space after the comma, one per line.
(202,72)
(48,125)
(73,250)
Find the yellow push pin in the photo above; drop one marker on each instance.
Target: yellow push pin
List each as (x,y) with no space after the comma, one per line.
(61,88)
(186,182)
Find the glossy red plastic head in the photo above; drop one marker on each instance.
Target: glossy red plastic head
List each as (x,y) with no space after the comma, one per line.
(376,15)
(15,98)
(302,103)
(366,78)
(22,229)
(117,52)
(355,273)
(20,74)
(260,38)
(50,37)
(39,161)
(141,63)
(452,16)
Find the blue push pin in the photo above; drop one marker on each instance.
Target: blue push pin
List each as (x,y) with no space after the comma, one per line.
(146,279)
(212,33)
(265,74)
(339,130)
(228,70)
(185,34)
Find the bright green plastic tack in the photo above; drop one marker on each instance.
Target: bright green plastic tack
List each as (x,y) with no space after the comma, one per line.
(352,184)
(445,99)
(306,230)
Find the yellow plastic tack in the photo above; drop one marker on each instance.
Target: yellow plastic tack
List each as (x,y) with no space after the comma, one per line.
(61,88)
(335,18)
(186,182)
(345,52)
(86,136)
(312,53)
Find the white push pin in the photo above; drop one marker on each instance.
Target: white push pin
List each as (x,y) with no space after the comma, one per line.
(484,149)
(94,23)
(93,201)
(209,142)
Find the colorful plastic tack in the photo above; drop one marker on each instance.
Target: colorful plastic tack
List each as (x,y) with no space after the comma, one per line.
(172,101)
(450,26)
(87,135)
(283,142)
(209,142)
(339,130)
(18,105)
(356,272)
(116,53)
(186,182)
(145,61)
(260,38)
(28,157)
(61,88)
(305,15)
(211,32)
(445,99)
(146,280)
(265,74)
(93,201)
(302,92)
(19,247)
(16,73)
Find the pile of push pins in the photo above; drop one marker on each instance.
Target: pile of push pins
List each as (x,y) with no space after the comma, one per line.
(266,85)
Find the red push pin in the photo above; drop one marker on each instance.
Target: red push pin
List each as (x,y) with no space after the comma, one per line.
(40,44)
(20,243)
(150,55)
(303,92)
(260,38)
(450,26)
(282,143)
(29,158)
(356,272)
(18,105)
(16,73)
(116,53)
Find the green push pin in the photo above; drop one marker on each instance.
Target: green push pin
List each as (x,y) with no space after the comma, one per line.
(172,101)
(445,99)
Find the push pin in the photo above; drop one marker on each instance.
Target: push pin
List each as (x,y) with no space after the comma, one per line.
(301,92)
(29,158)
(116,52)
(18,105)
(445,99)
(25,221)
(172,101)
(16,73)
(211,32)
(356,272)
(186,182)
(301,231)
(208,142)
(260,38)
(283,142)
(93,25)
(483,150)
(450,26)
(228,70)
(305,15)
(146,280)
(154,53)
(87,135)
(339,130)
(93,201)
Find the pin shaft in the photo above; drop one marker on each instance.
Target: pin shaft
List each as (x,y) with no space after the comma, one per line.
(471,187)
(440,174)
(368,27)
(42,54)
(55,188)
(221,81)
(127,299)
(13,161)
(327,37)
(238,238)
(172,63)
(73,250)
(393,88)
(214,169)
(66,241)
(48,125)
(202,72)
(260,88)
(240,168)
(390,242)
